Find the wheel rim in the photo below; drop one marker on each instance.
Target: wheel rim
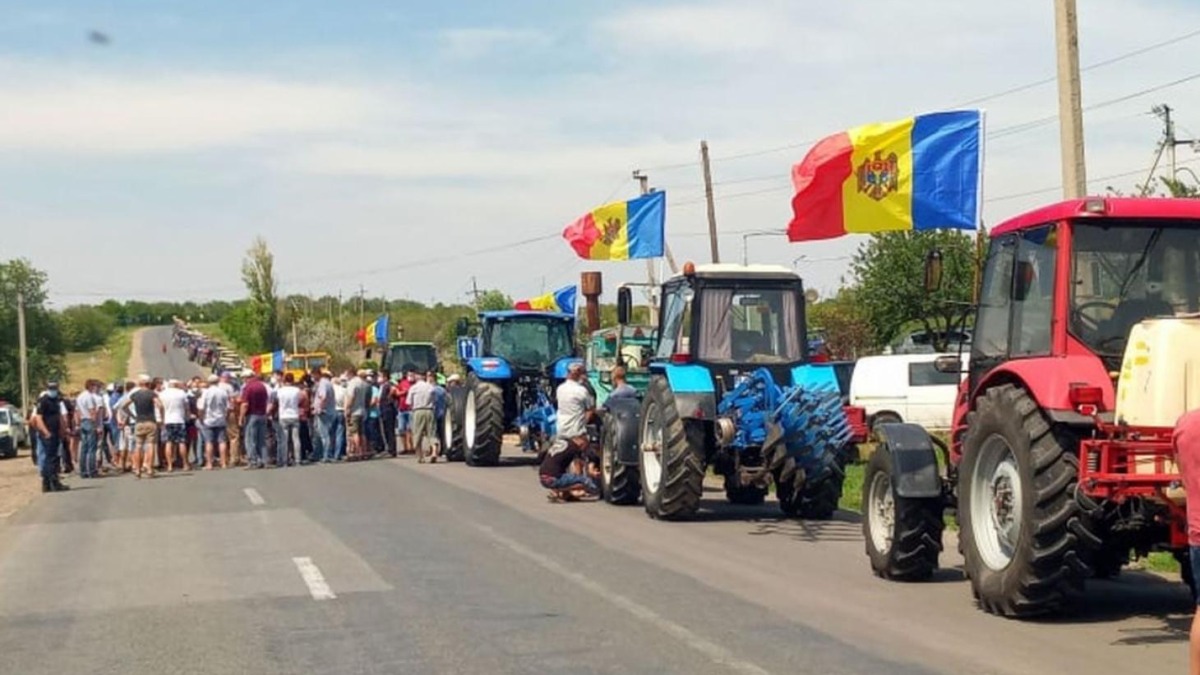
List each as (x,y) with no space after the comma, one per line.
(652,437)
(996,501)
(606,461)
(469,421)
(448,432)
(881,512)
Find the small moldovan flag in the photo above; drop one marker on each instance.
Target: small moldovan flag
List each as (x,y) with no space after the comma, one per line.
(562,300)
(375,333)
(621,230)
(920,173)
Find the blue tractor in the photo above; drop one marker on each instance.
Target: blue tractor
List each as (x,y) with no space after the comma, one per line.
(513,364)
(731,387)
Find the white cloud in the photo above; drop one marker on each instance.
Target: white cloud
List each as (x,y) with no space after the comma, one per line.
(473,43)
(79,111)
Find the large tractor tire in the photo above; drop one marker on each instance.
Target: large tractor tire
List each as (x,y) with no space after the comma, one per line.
(1016,509)
(746,495)
(672,463)
(454,427)
(485,405)
(903,535)
(818,498)
(620,483)
(785,488)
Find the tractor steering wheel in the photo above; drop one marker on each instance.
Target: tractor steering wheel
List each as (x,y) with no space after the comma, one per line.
(1089,323)
(628,362)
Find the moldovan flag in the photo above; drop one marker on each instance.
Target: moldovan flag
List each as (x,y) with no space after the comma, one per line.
(376,332)
(562,300)
(621,230)
(267,363)
(920,173)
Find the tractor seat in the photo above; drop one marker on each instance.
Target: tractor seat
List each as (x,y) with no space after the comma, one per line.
(1131,312)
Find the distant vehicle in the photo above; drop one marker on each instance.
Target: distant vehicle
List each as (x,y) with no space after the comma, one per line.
(300,364)
(12,431)
(904,388)
(420,357)
(636,346)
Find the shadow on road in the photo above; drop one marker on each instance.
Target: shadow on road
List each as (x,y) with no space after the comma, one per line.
(1134,594)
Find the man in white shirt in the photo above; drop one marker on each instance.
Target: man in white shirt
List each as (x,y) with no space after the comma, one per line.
(287,398)
(214,406)
(175,410)
(88,411)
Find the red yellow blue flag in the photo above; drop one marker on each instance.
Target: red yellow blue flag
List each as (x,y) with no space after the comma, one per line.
(621,230)
(376,332)
(562,300)
(919,173)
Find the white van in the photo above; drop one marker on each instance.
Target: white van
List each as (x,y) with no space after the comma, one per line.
(905,388)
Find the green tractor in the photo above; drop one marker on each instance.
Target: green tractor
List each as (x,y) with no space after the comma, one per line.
(421,357)
(628,346)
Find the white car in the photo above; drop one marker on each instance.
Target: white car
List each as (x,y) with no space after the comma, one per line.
(12,431)
(905,388)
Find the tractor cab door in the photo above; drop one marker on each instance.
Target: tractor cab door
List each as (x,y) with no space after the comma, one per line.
(989,344)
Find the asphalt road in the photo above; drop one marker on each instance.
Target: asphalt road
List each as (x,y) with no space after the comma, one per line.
(394,567)
(173,363)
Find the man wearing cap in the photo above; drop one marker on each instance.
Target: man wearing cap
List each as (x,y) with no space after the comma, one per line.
(324,409)
(47,421)
(87,414)
(255,402)
(356,411)
(420,401)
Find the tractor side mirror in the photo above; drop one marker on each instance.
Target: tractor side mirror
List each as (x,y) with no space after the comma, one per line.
(1023,281)
(933,271)
(461,327)
(947,364)
(624,305)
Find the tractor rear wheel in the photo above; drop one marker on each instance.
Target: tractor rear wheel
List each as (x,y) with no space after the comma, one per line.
(452,431)
(1016,507)
(483,423)
(903,535)
(672,463)
(620,483)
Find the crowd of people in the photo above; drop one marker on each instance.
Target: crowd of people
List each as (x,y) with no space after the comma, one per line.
(232,420)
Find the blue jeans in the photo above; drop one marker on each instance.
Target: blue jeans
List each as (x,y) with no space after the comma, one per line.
(324,429)
(87,449)
(47,453)
(569,480)
(288,434)
(337,433)
(255,439)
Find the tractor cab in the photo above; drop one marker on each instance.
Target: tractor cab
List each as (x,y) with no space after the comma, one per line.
(417,357)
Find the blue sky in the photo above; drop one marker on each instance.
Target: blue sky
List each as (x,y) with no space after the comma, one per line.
(366,141)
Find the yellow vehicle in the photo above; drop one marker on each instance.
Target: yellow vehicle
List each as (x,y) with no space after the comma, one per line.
(300,364)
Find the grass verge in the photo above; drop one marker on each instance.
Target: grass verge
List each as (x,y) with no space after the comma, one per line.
(108,363)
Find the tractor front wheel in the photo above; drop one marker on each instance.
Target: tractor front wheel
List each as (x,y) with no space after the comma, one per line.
(453,424)
(903,535)
(483,423)
(619,482)
(1016,507)
(672,462)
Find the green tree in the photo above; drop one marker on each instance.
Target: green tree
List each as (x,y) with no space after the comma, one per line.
(889,270)
(844,325)
(85,327)
(494,301)
(44,342)
(243,326)
(258,273)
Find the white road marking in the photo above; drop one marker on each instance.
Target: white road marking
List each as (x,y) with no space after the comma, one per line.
(255,498)
(313,579)
(712,650)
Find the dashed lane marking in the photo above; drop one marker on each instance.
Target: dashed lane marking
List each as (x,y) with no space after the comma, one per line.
(255,498)
(313,578)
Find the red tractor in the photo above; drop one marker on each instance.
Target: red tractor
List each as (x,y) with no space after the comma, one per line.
(1060,462)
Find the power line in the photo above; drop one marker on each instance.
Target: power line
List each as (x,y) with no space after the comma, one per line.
(1038,191)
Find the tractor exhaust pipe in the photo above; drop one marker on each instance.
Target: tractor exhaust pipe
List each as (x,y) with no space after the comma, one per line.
(592,286)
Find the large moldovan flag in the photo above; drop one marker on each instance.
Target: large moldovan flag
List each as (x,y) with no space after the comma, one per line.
(621,230)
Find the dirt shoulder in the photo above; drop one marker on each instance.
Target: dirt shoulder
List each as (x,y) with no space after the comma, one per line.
(19,483)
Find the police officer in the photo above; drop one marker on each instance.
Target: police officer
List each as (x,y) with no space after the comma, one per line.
(48,421)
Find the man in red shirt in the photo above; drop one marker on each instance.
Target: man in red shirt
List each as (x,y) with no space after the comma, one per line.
(1186,440)
(404,418)
(255,400)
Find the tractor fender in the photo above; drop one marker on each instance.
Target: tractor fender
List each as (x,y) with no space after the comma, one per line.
(489,368)
(559,371)
(1048,379)
(914,460)
(623,421)
(692,385)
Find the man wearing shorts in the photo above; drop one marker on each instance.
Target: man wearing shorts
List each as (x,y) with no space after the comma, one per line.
(214,415)
(175,412)
(1186,440)
(147,408)
(255,401)
(356,411)
(233,423)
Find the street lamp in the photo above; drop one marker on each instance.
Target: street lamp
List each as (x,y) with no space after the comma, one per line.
(798,258)
(760,233)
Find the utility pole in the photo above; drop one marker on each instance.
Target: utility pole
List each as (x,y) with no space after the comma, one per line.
(23,354)
(362,294)
(708,197)
(474,293)
(644,183)
(1170,141)
(1070,100)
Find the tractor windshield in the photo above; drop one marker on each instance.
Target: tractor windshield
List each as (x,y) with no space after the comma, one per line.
(411,358)
(530,342)
(750,325)
(1127,271)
